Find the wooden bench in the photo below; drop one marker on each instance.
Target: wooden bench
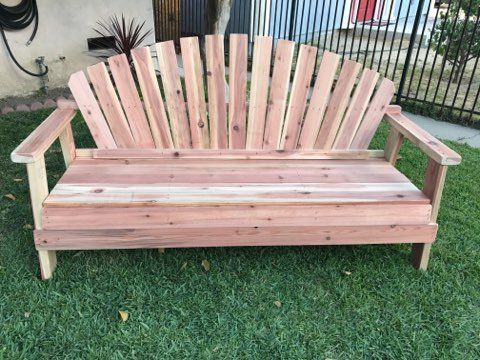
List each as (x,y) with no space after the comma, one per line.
(277,164)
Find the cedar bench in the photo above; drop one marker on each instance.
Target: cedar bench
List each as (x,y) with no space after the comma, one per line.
(284,168)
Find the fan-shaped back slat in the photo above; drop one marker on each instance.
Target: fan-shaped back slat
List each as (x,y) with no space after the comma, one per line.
(262,52)
(278,93)
(197,108)
(374,115)
(298,97)
(167,62)
(131,102)
(90,110)
(318,101)
(237,112)
(111,106)
(157,115)
(216,83)
(356,110)
(337,105)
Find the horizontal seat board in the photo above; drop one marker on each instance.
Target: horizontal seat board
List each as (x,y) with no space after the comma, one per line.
(178,216)
(216,237)
(136,172)
(68,194)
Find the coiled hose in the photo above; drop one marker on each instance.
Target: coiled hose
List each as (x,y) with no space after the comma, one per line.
(18,17)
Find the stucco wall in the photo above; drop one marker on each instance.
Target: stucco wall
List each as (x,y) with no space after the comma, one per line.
(63,31)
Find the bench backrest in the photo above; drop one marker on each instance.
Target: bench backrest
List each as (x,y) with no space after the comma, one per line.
(271,113)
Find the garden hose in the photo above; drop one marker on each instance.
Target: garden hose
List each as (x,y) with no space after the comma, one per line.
(18,17)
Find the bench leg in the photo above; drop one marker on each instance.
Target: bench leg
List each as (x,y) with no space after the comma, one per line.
(433,188)
(48,262)
(420,256)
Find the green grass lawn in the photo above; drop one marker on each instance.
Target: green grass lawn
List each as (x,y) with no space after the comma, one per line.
(384,309)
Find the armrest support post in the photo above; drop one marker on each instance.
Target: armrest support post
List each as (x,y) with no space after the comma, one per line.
(37,181)
(67,144)
(392,148)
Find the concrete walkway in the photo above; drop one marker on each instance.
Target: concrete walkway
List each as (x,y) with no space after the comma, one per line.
(448,131)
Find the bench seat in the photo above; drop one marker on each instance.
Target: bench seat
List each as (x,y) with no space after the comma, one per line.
(130,201)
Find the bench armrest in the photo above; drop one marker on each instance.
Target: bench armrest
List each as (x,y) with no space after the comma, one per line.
(35,145)
(430,145)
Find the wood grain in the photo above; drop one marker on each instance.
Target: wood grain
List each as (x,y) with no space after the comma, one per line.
(216,237)
(318,102)
(154,107)
(217,104)
(91,112)
(337,105)
(177,111)
(262,52)
(298,97)
(112,109)
(131,102)
(197,108)
(278,94)
(237,115)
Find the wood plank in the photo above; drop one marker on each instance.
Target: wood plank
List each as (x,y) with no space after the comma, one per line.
(393,145)
(238,61)
(356,110)
(157,115)
(215,237)
(38,186)
(208,216)
(35,145)
(433,147)
(374,115)
(131,102)
(216,83)
(262,52)
(230,154)
(226,194)
(90,110)
(197,108)
(181,171)
(67,143)
(112,109)
(318,102)
(337,105)
(278,94)
(298,97)
(177,111)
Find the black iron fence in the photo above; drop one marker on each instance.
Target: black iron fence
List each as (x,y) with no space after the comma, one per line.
(429,48)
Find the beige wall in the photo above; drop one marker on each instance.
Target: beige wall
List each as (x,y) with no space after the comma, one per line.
(63,30)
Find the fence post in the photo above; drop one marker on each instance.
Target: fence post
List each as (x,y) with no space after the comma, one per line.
(413,37)
(292,19)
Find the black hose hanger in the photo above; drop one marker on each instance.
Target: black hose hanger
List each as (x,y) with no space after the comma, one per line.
(19,17)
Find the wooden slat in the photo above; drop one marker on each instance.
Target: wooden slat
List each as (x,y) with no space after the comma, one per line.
(230,154)
(90,110)
(189,171)
(220,194)
(157,115)
(259,91)
(298,97)
(374,115)
(356,110)
(167,61)
(213,237)
(238,61)
(111,106)
(131,102)
(278,94)
(319,100)
(433,147)
(43,136)
(197,108)
(217,104)
(181,216)
(337,105)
